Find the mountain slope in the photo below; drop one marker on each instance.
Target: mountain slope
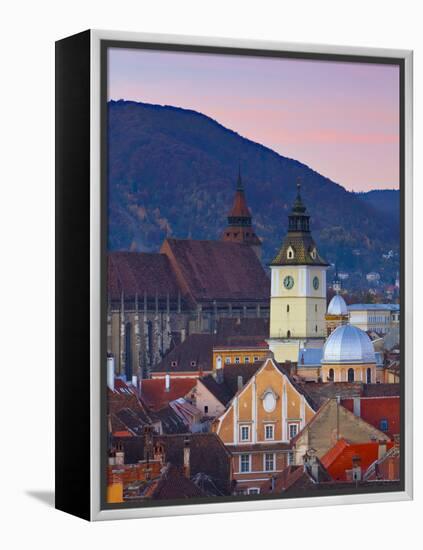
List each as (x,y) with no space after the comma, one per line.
(173,171)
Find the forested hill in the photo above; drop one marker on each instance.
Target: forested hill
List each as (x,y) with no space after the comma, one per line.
(173,172)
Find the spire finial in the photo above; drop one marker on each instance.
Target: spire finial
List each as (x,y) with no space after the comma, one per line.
(299,181)
(239,185)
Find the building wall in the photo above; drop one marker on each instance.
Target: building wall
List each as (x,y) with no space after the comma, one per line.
(377,320)
(298,311)
(239,355)
(332,423)
(341,372)
(204,398)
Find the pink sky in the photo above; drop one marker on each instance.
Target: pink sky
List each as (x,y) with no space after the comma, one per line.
(341,119)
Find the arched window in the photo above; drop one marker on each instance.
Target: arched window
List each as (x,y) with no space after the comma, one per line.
(315,308)
(288,334)
(369,375)
(315,328)
(331,374)
(350,375)
(128,352)
(287,308)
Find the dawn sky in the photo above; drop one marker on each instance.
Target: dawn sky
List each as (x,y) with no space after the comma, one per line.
(341,119)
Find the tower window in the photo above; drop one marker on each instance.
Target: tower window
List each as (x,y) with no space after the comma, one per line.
(288,334)
(315,328)
(315,308)
(290,253)
(287,308)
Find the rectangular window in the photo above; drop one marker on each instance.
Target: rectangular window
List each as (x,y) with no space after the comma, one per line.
(244,463)
(253,491)
(292,430)
(269,431)
(256,359)
(246,359)
(269,462)
(244,433)
(206,409)
(227,360)
(290,458)
(383,425)
(237,360)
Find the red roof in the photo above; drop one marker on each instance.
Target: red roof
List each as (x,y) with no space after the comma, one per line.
(240,208)
(140,273)
(217,270)
(155,396)
(339,458)
(374,410)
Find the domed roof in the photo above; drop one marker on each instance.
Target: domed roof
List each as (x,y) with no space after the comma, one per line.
(348,344)
(337,306)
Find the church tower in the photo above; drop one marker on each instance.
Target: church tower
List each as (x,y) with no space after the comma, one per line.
(298,289)
(240,228)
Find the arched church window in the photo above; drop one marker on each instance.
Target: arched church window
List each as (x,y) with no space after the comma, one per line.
(350,375)
(290,253)
(288,334)
(369,376)
(331,375)
(128,352)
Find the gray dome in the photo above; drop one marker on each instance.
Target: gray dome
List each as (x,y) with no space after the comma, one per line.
(348,344)
(337,306)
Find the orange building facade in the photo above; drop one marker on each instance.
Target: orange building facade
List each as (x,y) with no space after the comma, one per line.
(258,425)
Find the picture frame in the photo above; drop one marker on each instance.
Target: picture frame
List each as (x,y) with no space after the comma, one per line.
(81,271)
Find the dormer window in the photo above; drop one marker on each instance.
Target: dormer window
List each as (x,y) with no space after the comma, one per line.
(193,363)
(290,253)
(173,363)
(313,253)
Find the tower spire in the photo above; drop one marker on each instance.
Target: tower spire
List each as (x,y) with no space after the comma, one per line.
(239,228)
(239,186)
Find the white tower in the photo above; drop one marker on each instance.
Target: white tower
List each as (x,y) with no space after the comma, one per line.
(298,290)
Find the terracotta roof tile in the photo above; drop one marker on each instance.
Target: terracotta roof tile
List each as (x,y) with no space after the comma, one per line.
(217,270)
(139,273)
(155,396)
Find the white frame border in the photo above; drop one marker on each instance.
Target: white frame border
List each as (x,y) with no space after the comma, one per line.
(95,209)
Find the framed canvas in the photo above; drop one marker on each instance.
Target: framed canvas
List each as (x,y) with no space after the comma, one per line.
(233,275)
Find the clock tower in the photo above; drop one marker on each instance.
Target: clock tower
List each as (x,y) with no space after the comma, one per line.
(298,289)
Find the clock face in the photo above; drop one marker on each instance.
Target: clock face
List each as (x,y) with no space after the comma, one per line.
(288,282)
(316,283)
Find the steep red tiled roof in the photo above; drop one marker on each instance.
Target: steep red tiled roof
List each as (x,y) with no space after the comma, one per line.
(375,409)
(155,396)
(216,270)
(239,208)
(339,459)
(139,273)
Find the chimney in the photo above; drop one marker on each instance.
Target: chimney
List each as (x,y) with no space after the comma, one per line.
(187,452)
(112,457)
(357,406)
(240,382)
(120,454)
(111,372)
(167,382)
(159,453)
(381,449)
(356,468)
